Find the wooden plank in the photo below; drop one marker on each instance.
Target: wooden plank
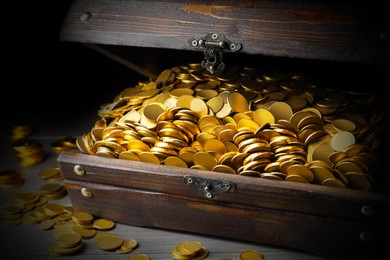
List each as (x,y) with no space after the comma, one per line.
(342,30)
(281,195)
(261,225)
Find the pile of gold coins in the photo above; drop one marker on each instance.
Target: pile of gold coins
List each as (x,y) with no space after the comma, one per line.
(10,179)
(62,144)
(189,250)
(29,151)
(246,121)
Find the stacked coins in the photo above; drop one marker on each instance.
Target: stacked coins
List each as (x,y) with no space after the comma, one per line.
(51,174)
(10,178)
(243,121)
(66,244)
(21,206)
(21,131)
(63,144)
(189,250)
(53,191)
(28,151)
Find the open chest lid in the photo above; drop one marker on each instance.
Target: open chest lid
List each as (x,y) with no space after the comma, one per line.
(341,30)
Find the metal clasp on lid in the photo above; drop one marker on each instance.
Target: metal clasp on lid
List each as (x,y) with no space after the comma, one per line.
(209,189)
(214,45)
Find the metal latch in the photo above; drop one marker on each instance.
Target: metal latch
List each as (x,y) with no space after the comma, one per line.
(209,189)
(214,45)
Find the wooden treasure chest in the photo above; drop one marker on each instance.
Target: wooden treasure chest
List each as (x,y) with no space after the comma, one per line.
(272,132)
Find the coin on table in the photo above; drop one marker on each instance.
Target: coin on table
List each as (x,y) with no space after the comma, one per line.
(103,224)
(109,243)
(251,255)
(138,257)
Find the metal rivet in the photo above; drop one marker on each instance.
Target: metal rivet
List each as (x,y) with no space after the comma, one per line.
(232,46)
(214,36)
(367,210)
(194,43)
(84,17)
(366,237)
(78,170)
(86,193)
(209,195)
(190,180)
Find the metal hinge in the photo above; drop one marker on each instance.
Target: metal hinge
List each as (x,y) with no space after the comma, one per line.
(214,45)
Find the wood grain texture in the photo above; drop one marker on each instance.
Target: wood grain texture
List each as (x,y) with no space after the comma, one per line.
(311,233)
(264,211)
(337,30)
(281,195)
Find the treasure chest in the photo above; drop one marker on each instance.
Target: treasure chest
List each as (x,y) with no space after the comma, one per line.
(271,133)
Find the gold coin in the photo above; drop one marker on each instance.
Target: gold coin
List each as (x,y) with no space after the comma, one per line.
(138,257)
(225,111)
(271,176)
(342,124)
(102,234)
(359,181)
(68,240)
(281,110)
(62,229)
(199,106)
(49,173)
(46,224)
(154,110)
(205,159)
(54,209)
(206,94)
(191,247)
(175,161)
(129,243)
(103,224)
(302,170)
(208,120)
(342,140)
(149,158)
(51,188)
(251,255)
(57,250)
(82,217)
(185,101)
(224,169)
(336,157)
(237,102)
(128,155)
(296,178)
(349,165)
(110,243)
(215,145)
(215,104)
(84,232)
(247,124)
(263,116)
(334,183)
(163,77)
(178,92)
(321,173)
